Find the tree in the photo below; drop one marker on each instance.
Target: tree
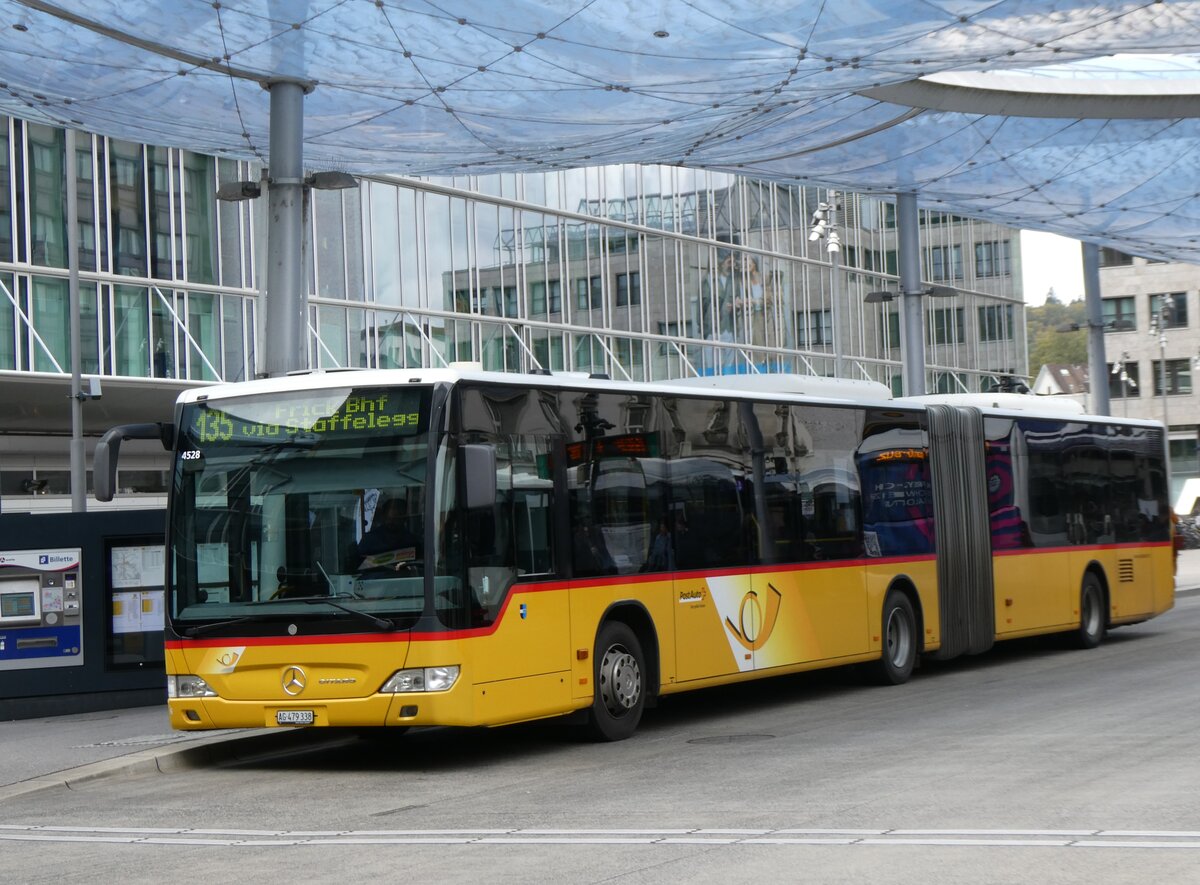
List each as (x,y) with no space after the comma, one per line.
(1047,345)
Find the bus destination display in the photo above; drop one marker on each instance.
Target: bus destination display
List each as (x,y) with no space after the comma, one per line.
(323,414)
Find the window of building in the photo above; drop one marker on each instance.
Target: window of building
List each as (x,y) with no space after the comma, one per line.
(556,296)
(1170,310)
(589,355)
(1123,380)
(548,352)
(510,301)
(891,330)
(1119,314)
(672,330)
(1183,457)
(629,288)
(537,298)
(8,325)
(880,261)
(993,258)
(945,263)
(938,218)
(588,293)
(1179,377)
(630,356)
(814,328)
(1113,258)
(946,325)
(996,322)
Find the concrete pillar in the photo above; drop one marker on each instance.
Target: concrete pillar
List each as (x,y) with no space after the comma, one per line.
(1097,363)
(285,338)
(912,331)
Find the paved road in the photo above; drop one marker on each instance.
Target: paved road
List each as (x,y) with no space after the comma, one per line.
(1030,763)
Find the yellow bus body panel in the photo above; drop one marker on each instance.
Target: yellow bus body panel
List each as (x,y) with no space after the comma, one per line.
(537,659)
(1033,591)
(1038,591)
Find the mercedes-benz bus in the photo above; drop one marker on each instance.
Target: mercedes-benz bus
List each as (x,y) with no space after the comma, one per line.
(454,547)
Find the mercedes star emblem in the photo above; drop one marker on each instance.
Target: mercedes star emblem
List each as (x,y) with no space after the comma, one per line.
(293,680)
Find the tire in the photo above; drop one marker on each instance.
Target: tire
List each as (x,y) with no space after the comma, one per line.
(1091,613)
(619,679)
(899,640)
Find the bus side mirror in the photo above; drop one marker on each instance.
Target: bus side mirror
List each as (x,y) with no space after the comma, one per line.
(477,476)
(108,450)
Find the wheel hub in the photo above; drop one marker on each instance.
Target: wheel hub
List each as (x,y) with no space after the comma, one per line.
(620,680)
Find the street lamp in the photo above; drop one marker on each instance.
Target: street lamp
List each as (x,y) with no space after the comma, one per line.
(1121,371)
(824,227)
(1158,328)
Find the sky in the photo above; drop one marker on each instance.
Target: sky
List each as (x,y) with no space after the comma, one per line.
(1048,260)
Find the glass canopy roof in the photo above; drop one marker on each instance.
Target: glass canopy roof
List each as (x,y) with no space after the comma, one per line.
(1071,116)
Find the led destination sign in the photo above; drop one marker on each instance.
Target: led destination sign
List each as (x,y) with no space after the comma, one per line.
(630,445)
(322,414)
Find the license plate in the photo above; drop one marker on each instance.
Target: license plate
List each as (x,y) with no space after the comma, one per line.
(294,717)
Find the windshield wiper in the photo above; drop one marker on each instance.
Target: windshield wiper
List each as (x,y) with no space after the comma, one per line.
(384,624)
(217,625)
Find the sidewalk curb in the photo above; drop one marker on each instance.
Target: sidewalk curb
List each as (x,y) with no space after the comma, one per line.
(202,752)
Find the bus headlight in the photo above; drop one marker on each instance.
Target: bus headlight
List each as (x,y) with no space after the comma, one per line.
(424,679)
(188,687)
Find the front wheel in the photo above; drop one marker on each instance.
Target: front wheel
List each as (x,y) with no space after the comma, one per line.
(899,640)
(619,675)
(1091,613)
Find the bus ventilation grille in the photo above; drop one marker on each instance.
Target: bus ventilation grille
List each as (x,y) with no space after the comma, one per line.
(1125,571)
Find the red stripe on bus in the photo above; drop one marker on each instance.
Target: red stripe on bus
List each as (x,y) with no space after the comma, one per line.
(606,581)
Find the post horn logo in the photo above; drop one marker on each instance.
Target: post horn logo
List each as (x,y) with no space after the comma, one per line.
(294,680)
(754,626)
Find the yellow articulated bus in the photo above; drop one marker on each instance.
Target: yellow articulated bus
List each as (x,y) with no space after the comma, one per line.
(459,547)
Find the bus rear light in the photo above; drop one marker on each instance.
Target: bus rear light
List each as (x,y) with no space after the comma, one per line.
(426,679)
(188,687)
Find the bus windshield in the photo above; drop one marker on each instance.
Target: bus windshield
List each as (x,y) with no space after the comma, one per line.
(308,504)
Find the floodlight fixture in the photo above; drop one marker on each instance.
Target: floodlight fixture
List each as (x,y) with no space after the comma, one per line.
(941,292)
(236,191)
(331,181)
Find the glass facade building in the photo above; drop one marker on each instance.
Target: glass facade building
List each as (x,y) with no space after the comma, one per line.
(641,272)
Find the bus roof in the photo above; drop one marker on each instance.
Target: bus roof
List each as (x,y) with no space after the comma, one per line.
(766,386)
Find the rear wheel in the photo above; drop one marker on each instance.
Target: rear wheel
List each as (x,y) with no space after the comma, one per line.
(899,640)
(1091,613)
(619,678)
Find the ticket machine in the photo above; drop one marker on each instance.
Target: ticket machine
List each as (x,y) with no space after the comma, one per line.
(41,609)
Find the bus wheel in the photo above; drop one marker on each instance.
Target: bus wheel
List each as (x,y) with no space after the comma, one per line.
(620,684)
(1091,613)
(899,640)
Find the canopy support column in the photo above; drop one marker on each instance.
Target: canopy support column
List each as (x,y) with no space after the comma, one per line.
(912,338)
(1097,364)
(285,342)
